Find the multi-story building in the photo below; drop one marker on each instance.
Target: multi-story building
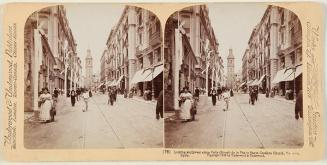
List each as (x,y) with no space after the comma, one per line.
(244,69)
(275,51)
(134,57)
(191,54)
(104,66)
(49,48)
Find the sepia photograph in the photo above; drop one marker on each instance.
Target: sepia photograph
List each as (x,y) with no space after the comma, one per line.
(93,77)
(233,77)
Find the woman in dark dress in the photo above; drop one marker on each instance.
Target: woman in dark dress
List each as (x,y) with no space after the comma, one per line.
(72,97)
(213,96)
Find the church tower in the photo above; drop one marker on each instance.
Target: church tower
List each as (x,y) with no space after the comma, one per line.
(230,69)
(88,69)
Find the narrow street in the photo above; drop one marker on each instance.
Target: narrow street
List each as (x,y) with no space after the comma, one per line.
(130,123)
(270,123)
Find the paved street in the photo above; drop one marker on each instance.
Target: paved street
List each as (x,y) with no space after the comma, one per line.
(130,123)
(270,123)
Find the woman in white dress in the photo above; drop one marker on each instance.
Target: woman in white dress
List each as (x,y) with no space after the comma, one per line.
(46,104)
(187,102)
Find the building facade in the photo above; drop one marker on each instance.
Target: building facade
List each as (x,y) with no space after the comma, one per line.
(49,53)
(191,54)
(134,57)
(245,77)
(275,52)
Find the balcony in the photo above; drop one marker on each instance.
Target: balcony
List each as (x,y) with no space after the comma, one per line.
(155,39)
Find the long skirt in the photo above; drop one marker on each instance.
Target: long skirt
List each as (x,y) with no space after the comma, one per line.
(45,110)
(72,99)
(214,99)
(186,110)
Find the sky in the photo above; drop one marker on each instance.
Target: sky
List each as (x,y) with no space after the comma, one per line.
(233,25)
(91,25)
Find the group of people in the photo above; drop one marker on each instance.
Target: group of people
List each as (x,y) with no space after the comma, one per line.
(112,94)
(75,95)
(253,94)
(188,102)
(47,102)
(221,93)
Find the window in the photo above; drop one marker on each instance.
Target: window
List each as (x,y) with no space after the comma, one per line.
(293,58)
(158,26)
(282,19)
(141,62)
(150,56)
(140,38)
(157,54)
(140,18)
(282,37)
(282,62)
(299,54)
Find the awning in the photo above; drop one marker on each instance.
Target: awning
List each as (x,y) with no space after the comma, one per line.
(100,85)
(249,83)
(145,74)
(140,76)
(261,78)
(298,72)
(108,82)
(282,75)
(255,82)
(155,73)
(242,84)
(119,79)
(112,83)
(137,76)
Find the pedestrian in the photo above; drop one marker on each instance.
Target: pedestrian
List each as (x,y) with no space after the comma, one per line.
(226,97)
(115,94)
(72,97)
(186,101)
(231,93)
(86,99)
(78,92)
(267,92)
(196,95)
(56,93)
(213,96)
(252,96)
(159,106)
(110,97)
(299,105)
(219,92)
(45,101)
(256,91)
(90,93)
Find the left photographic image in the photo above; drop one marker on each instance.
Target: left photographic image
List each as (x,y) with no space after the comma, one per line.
(93,78)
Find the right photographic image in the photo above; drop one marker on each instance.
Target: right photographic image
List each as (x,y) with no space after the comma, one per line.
(233,77)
